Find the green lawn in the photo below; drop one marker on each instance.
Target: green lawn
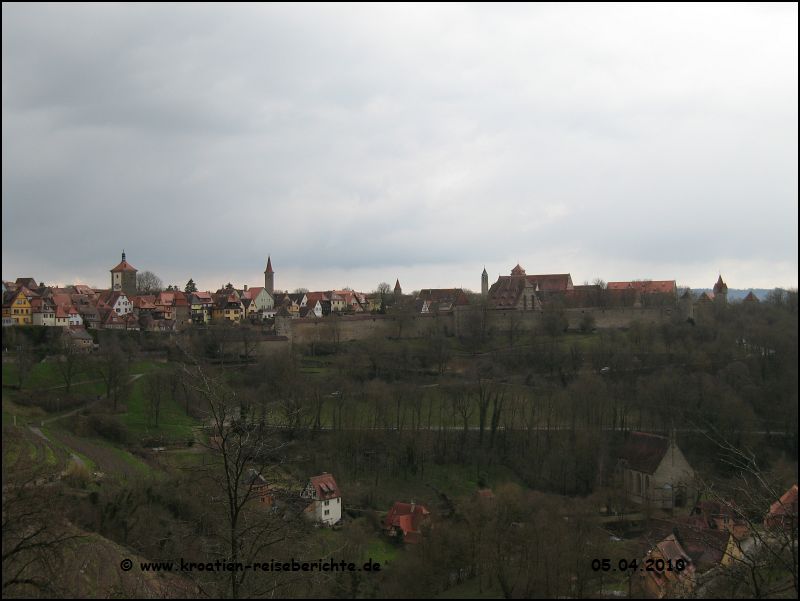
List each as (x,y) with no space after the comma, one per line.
(381,551)
(173,423)
(42,375)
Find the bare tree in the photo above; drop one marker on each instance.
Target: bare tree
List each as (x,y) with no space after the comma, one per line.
(112,367)
(155,388)
(69,362)
(148,283)
(33,539)
(765,562)
(26,359)
(243,451)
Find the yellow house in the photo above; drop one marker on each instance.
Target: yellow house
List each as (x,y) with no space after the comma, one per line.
(226,306)
(19,307)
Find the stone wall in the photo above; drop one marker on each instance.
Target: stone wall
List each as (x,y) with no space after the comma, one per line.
(361,327)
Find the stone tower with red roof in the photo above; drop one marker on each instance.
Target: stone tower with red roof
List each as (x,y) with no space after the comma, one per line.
(123,277)
(269,277)
(720,291)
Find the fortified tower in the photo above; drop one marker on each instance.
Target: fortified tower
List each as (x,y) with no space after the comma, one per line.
(484,284)
(721,291)
(269,277)
(123,277)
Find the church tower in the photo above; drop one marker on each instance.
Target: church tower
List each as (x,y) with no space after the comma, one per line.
(484,284)
(269,277)
(398,291)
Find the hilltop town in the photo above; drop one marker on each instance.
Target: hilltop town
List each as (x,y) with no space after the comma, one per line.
(130,304)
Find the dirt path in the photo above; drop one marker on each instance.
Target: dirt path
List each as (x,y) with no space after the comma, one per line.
(134,377)
(42,435)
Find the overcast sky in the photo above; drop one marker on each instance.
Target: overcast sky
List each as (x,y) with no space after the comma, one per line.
(359,144)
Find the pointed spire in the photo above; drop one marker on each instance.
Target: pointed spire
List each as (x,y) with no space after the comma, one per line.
(397,285)
(123,255)
(269,265)
(484,271)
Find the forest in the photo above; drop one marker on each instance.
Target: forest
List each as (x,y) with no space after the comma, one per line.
(196,447)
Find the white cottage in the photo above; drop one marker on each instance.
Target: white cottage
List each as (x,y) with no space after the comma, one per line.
(326,500)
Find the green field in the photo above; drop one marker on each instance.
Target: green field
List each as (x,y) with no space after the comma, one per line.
(173,423)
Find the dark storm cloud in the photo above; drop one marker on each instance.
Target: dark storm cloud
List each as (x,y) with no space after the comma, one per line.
(369,142)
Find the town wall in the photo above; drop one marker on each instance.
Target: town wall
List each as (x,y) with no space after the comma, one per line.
(361,327)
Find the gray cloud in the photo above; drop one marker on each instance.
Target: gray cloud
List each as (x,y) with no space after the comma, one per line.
(362,142)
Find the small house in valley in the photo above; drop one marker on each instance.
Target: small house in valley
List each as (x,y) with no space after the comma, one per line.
(326,500)
(405,520)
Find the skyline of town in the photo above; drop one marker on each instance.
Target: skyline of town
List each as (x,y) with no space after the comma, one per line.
(290,281)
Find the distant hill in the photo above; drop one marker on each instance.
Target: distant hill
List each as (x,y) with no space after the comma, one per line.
(737,294)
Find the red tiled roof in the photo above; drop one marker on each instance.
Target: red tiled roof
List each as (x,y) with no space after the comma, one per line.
(646,286)
(671,549)
(787,504)
(124,266)
(269,266)
(253,292)
(455,296)
(313,297)
(751,298)
(325,487)
(518,270)
(644,451)
(551,282)
(397,285)
(408,518)
(27,282)
(505,292)
(145,301)
(720,286)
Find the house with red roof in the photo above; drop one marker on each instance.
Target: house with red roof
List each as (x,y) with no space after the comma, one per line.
(783,512)
(404,521)
(43,312)
(262,301)
(326,500)
(200,305)
(116,301)
(670,583)
(638,293)
(654,471)
(440,300)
